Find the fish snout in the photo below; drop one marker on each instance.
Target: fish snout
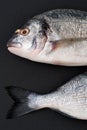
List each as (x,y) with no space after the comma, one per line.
(14,44)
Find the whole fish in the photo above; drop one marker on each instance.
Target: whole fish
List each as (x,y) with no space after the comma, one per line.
(56,37)
(71,99)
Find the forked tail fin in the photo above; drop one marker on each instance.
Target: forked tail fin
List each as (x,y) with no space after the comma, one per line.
(21,104)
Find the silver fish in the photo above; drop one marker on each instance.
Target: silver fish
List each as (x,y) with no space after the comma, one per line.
(56,37)
(71,99)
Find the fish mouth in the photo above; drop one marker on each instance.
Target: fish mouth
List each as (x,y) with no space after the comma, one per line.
(14,44)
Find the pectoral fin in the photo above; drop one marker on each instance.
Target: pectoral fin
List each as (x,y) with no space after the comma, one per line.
(76,44)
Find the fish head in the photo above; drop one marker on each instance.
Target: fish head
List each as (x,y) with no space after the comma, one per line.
(29,40)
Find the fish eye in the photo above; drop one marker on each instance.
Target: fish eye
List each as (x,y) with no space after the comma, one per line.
(24,31)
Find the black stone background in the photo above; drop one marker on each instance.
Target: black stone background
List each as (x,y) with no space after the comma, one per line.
(38,77)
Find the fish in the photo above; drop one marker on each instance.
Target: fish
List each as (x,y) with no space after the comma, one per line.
(57,37)
(69,99)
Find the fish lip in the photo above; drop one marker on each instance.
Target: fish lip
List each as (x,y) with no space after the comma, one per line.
(14,44)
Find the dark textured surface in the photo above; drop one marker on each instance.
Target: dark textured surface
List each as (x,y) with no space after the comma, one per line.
(34,76)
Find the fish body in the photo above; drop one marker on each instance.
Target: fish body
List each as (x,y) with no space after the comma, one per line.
(56,37)
(70,99)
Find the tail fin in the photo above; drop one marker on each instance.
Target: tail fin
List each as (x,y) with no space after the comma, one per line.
(21,105)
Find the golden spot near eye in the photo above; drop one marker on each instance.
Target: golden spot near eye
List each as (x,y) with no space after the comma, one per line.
(17,31)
